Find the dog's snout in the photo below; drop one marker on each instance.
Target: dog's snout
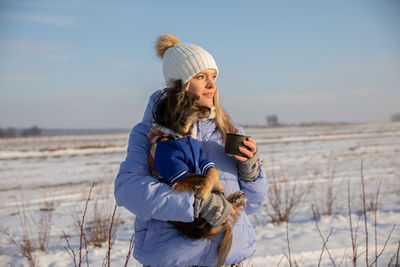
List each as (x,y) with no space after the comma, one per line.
(207,111)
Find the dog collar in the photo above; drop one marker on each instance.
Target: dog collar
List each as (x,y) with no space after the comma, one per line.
(160,133)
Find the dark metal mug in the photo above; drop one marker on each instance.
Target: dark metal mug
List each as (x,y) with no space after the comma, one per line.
(232,143)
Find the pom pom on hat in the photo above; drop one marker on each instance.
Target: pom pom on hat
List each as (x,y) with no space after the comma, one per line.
(182,61)
(164,42)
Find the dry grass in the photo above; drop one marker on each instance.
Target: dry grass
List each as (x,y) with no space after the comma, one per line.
(44,230)
(98,225)
(35,233)
(375,261)
(330,196)
(325,205)
(292,262)
(111,239)
(324,240)
(77,256)
(132,242)
(26,245)
(353,233)
(102,230)
(284,197)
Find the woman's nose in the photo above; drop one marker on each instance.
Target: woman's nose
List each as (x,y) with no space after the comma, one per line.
(210,84)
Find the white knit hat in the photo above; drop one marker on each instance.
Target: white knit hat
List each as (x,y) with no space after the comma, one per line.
(182,61)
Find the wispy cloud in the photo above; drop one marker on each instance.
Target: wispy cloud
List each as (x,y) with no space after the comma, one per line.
(58,21)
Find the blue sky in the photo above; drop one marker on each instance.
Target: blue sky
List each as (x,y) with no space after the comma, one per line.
(92,64)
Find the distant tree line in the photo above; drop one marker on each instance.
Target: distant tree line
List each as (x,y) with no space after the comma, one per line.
(9,132)
(396,117)
(12,132)
(272,120)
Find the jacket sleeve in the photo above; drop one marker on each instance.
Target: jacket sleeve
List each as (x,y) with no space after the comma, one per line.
(140,193)
(256,191)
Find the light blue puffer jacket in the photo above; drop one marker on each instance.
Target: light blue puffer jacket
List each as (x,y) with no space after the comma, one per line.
(157,242)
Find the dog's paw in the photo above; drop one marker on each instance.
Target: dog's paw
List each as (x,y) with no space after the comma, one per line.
(235,196)
(238,199)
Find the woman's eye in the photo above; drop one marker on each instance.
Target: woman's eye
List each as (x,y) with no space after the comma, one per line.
(200,77)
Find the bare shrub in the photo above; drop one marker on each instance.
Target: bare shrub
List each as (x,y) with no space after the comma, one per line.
(30,241)
(44,230)
(284,197)
(397,255)
(111,239)
(330,197)
(376,223)
(47,206)
(365,213)
(99,213)
(132,242)
(353,234)
(98,226)
(324,241)
(326,207)
(76,256)
(26,244)
(288,255)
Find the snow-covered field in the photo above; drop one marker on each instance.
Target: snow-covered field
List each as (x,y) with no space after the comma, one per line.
(52,176)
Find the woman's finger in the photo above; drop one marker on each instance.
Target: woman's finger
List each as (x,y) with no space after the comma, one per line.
(251,144)
(247,152)
(240,158)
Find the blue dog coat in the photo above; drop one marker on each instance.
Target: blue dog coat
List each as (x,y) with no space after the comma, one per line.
(173,157)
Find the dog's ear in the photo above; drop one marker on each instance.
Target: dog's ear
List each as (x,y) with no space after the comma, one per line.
(159,106)
(177,91)
(176,86)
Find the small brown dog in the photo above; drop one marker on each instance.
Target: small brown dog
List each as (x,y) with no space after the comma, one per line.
(176,111)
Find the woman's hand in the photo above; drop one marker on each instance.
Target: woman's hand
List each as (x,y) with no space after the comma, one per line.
(248,167)
(215,208)
(249,150)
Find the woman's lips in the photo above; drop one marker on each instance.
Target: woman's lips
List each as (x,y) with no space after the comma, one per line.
(208,95)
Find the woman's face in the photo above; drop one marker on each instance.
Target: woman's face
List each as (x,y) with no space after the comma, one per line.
(203,85)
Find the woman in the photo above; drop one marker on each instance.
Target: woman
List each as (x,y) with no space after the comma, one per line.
(157,242)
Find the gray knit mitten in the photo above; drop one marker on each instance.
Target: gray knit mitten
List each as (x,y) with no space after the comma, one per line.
(248,170)
(215,209)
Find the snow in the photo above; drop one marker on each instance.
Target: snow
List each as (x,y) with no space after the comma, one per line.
(55,173)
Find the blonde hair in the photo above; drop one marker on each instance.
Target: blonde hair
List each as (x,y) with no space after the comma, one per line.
(223,120)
